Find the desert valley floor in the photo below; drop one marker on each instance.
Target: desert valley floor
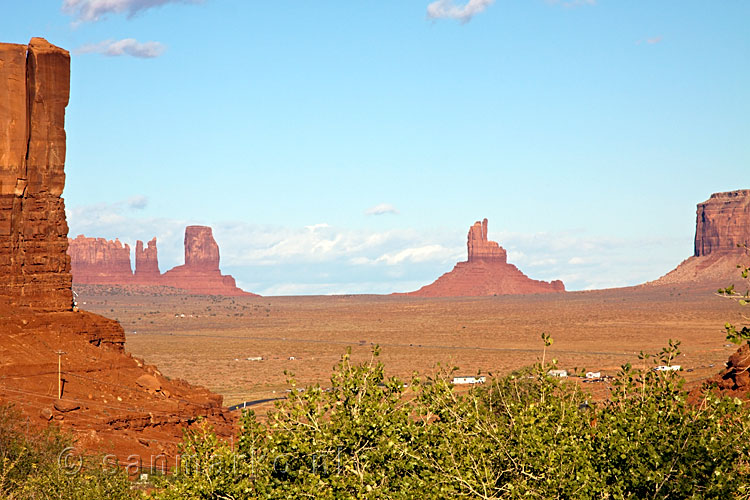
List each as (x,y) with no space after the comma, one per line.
(207,340)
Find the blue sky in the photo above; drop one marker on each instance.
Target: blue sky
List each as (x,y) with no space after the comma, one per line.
(346,147)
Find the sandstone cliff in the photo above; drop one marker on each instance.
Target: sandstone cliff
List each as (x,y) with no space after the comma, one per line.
(34,88)
(722,223)
(96,261)
(110,401)
(486,272)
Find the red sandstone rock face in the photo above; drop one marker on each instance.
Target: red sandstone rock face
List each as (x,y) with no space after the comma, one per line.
(734,381)
(486,272)
(146,261)
(722,223)
(201,250)
(96,260)
(13,119)
(34,88)
(48,88)
(480,248)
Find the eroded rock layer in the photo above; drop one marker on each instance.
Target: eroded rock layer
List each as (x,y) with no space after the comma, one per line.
(34,89)
(146,261)
(201,250)
(723,223)
(96,260)
(481,248)
(486,272)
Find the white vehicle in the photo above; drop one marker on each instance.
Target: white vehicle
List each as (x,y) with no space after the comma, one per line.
(667,368)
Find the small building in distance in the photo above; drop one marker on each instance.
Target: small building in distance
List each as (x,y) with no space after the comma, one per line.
(468,380)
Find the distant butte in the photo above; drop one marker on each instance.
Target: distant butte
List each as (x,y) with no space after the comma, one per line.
(722,229)
(96,261)
(200,273)
(486,272)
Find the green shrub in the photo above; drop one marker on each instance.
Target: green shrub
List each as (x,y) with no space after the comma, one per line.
(526,435)
(33,466)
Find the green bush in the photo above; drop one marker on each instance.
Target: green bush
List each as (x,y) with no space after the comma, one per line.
(33,466)
(526,435)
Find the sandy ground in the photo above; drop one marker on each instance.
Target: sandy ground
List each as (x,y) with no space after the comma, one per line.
(207,340)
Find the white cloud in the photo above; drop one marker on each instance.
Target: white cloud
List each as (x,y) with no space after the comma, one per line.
(447,9)
(417,254)
(127,46)
(96,10)
(382,209)
(323,259)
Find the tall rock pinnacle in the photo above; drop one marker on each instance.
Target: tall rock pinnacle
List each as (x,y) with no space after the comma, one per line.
(485,272)
(201,250)
(146,261)
(34,89)
(480,248)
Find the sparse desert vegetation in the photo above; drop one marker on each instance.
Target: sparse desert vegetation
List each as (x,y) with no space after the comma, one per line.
(598,330)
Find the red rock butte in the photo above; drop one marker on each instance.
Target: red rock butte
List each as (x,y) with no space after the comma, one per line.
(722,231)
(34,88)
(486,272)
(96,261)
(109,400)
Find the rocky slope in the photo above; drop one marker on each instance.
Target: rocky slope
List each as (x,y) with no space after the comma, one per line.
(486,272)
(735,379)
(722,229)
(112,402)
(96,261)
